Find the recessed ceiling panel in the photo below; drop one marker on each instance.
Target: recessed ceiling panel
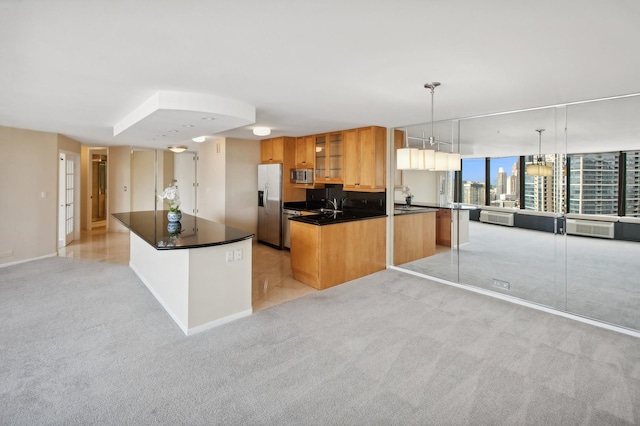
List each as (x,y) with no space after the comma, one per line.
(173,117)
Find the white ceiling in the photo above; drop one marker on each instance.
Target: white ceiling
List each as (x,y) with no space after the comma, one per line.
(79,67)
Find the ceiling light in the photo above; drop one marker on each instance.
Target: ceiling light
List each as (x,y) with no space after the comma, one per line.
(187,125)
(261,131)
(208,118)
(199,139)
(539,167)
(178,149)
(407,158)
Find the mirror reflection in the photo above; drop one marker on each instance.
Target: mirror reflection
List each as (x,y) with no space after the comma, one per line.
(546,208)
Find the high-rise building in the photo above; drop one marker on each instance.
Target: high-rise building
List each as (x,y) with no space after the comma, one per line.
(474,193)
(513,183)
(632,177)
(501,183)
(593,183)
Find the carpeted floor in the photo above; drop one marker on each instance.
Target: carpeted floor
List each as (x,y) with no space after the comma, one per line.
(85,343)
(591,277)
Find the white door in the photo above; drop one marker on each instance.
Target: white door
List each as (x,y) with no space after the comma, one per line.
(66,199)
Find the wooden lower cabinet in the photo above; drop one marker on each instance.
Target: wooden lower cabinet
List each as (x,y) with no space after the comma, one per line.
(414,237)
(325,256)
(443,227)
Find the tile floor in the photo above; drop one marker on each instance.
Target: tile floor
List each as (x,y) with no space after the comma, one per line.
(272,281)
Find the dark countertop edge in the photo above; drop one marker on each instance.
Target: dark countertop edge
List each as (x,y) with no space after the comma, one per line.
(155,244)
(444,206)
(400,211)
(193,246)
(305,219)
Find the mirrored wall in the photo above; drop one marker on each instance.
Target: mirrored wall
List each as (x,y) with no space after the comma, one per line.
(546,208)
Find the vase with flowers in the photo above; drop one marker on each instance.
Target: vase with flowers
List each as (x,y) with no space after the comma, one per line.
(408,196)
(172,197)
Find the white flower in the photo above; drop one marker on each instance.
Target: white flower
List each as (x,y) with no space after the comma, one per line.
(171,195)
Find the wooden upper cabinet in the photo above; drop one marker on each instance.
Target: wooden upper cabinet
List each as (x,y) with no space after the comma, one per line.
(305,152)
(272,150)
(365,159)
(328,150)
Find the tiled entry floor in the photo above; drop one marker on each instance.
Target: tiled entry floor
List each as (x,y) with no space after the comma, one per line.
(272,281)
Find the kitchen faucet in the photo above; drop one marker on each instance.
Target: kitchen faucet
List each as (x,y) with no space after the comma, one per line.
(334,203)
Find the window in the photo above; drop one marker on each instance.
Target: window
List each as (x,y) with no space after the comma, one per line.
(504,180)
(593,183)
(632,184)
(473,186)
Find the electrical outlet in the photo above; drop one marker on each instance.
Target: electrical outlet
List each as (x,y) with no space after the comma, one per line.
(238,254)
(229,257)
(501,284)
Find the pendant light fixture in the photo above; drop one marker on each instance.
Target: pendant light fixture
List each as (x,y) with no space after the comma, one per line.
(539,167)
(407,158)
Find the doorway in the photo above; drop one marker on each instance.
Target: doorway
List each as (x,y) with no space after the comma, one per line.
(98,188)
(68,197)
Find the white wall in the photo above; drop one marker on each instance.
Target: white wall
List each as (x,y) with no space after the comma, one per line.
(28,194)
(119,186)
(423,186)
(211,180)
(228,177)
(241,210)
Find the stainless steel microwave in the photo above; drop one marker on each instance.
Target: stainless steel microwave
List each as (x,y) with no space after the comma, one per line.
(301,176)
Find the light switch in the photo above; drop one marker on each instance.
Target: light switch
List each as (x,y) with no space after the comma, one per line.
(230,256)
(238,254)
(43,195)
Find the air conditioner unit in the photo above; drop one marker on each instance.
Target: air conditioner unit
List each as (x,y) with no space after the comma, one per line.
(590,228)
(498,218)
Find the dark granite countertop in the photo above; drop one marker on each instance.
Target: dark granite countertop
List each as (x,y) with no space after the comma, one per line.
(404,209)
(154,228)
(330,218)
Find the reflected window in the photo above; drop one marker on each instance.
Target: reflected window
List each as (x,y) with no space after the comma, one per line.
(632,186)
(473,185)
(593,183)
(545,193)
(504,181)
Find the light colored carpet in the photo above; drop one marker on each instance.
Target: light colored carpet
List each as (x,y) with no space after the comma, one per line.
(85,343)
(591,277)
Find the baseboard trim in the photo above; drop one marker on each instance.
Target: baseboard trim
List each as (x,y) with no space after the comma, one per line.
(218,322)
(17,262)
(521,302)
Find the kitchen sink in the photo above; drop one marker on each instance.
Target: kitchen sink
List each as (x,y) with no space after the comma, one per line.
(327,211)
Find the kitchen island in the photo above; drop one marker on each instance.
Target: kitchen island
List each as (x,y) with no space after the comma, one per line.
(199,270)
(414,233)
(335,247)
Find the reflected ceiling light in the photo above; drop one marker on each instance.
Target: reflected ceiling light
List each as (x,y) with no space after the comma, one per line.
(261,131)
(407,158)
(199,139)
(539,167)
(178,149)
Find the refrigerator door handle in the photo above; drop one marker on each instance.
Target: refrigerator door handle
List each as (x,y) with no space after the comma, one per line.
(266,193)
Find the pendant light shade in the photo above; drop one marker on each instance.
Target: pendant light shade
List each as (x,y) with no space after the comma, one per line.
(539,167)
(429,156)
(442,162)
(454,162)
(407,158)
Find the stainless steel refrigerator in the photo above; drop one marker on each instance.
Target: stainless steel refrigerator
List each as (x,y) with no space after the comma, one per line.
(270,204)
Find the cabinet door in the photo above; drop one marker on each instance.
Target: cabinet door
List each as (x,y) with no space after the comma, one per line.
(335,158)
(367,159)
(351,159)
(277,154)
(320,148)
(266,151)
(305,151)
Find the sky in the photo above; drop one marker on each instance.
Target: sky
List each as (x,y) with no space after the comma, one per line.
(473,168)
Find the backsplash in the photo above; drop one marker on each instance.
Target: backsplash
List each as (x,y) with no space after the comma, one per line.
(317,198)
